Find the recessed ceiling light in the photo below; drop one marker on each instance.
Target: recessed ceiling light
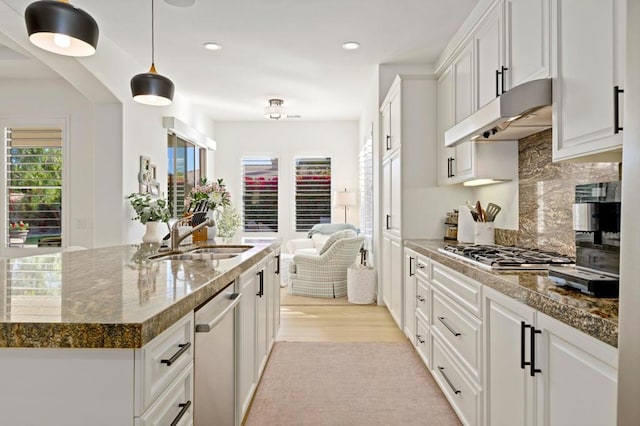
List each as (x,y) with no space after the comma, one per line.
(212,46)
(350,45)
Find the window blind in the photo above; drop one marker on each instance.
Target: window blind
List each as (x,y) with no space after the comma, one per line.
(34,182)
(312,192)
(260,194)
(366,189)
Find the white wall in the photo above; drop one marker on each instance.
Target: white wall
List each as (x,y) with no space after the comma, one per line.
(505,195)
(287,140)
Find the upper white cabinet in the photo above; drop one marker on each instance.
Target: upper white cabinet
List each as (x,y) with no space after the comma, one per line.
(528,34)
(463,83)
(391,121)
(489,56)
(588,41)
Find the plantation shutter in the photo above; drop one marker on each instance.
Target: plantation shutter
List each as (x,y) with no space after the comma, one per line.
(312,192)
(260,194)
(366,189)
(34,181)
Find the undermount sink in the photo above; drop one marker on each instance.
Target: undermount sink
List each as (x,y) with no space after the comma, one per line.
(221,249)
(216,252)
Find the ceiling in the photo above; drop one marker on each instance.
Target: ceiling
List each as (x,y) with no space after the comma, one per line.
(288,49)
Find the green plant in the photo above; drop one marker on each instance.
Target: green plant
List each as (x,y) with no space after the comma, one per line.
(229,222)
(148,208)
(18,226)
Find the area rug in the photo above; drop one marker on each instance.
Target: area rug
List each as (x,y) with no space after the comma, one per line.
(348,384)
(287,299)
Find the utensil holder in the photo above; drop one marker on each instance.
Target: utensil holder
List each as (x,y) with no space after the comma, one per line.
(484,233)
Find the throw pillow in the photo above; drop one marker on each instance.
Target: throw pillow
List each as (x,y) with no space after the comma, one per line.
(347,233)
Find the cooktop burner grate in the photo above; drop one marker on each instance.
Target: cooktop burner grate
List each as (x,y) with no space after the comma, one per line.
(507,257)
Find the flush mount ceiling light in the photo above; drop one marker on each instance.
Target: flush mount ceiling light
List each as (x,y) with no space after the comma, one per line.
(151,88)
(212,46)
(58,27)
(275,110)
(350,45)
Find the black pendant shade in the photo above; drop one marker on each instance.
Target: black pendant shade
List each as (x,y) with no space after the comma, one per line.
(61,28)
(151,88)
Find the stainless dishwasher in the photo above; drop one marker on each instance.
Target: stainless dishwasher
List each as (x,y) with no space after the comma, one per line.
(215,360)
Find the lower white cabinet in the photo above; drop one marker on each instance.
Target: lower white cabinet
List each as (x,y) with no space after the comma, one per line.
(410,261)
(540,371)
(579,377)
(174,407)
(392,278)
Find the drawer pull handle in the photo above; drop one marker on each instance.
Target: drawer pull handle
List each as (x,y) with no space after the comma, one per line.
(420,298)
(523,328)
(183,348)
(411,271)
(456,391)
(616,109)
(419,337)
(455,333)
(277,271)
(183,410)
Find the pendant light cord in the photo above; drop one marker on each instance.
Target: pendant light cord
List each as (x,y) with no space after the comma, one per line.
(153,53)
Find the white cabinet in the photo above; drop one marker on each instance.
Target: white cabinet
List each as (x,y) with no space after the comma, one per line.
(510,395)
(489,56)
(247,379)
(385,255)
(579,377)
(397,289)
(588,38)
(391,121)
(410,291)
(528,34)
(540,371)
(463,84)
(392,190)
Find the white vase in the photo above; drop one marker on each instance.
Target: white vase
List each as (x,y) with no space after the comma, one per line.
(154,232)
(212,231)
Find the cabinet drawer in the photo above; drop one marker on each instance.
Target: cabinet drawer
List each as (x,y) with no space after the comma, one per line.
(176,402)
(461,330)
(462,289)
(423,340)
(463,396)
(423,267)
(160,361)
(423,300)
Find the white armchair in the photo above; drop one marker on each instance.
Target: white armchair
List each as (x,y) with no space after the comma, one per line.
(324,274)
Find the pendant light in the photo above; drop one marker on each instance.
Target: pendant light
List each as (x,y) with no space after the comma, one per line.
(151,88)
(61,28)
(275,110)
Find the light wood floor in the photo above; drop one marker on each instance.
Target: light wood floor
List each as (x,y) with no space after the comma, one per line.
(338,324)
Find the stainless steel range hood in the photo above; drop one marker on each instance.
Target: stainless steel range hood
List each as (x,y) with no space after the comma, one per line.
(519,112)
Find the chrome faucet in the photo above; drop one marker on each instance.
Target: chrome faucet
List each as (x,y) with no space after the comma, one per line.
(176,238)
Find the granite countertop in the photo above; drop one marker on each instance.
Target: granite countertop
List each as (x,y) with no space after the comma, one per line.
(597,317)
(110,297)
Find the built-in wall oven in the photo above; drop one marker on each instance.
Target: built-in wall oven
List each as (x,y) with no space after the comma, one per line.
(215,360)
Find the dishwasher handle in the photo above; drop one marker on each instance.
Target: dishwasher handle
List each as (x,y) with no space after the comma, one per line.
(205,328)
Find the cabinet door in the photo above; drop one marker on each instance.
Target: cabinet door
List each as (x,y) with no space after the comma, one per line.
(386,129)
(489,54)
(464,161)
(260,296)
(446,120)
(247,340)
(386,270)
(528,34)
(578,381)
(275,296)
(410,261)
(396,122)
(397,301)
(386,194)
(589,41)
(463,83)
(396,194)
(510,390)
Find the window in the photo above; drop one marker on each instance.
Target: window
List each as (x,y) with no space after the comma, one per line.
(312,192)
(33,175)
(186,166)
(260,194)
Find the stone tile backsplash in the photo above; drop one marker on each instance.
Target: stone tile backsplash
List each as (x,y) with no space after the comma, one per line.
(546,195)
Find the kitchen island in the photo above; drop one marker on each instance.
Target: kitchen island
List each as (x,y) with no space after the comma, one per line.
(106,336)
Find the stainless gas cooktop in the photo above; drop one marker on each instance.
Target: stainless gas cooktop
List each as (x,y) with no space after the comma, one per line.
(506,257)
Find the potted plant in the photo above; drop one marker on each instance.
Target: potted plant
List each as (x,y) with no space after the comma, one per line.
(217,195)
(229,222)
(19,231)
(152,212)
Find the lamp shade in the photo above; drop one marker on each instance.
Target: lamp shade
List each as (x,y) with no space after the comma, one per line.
(61,28)
(344,198)
(151,88)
